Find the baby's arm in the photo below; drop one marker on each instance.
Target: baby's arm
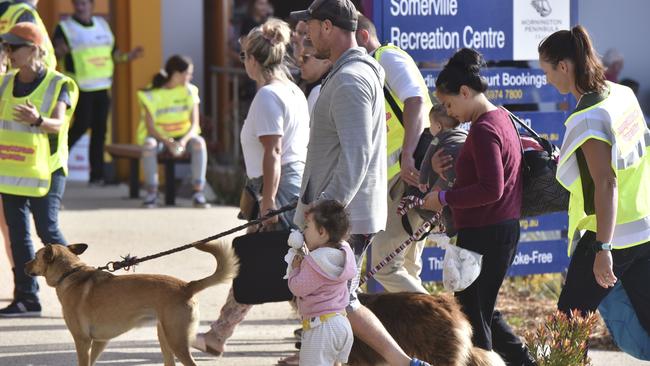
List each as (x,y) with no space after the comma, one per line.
(304,280)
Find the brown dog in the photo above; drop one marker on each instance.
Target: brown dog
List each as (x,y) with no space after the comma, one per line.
(430,327)
(98,305)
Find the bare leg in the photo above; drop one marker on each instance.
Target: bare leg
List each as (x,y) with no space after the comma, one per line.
(369,329)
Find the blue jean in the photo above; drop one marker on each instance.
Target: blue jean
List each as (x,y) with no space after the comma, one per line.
(46,217)
(288,190)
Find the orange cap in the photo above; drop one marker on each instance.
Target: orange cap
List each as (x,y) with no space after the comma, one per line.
(24,33)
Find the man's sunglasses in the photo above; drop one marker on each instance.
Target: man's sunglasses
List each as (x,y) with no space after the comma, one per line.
(242,56)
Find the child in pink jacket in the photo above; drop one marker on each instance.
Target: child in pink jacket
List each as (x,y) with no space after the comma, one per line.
(320,283)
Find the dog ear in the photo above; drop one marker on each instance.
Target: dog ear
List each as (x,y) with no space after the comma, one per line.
(48,255)
(78,249)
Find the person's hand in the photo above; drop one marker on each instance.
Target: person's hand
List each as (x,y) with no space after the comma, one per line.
(297,259)
(266,206)
(440,162)
(408,172)
(26,113)
(603,269)
(423,187)
(431,202)
(136,53)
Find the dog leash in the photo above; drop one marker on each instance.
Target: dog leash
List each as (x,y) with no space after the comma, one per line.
(425,228)
(130,261)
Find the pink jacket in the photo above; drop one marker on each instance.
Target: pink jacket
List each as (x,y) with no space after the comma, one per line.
(321,281)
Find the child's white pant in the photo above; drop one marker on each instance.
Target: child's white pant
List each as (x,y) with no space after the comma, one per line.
(327,343)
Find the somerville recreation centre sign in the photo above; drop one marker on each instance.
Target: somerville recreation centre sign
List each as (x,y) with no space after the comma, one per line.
(432,30)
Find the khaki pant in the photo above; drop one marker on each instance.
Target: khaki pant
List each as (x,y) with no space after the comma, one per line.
(402,274)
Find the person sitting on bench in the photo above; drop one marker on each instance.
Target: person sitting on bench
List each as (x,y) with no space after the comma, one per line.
(170,121)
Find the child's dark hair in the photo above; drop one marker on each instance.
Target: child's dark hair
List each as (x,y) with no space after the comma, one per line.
(333,218)
(176,63)
(462,69)
(439,113)
(575,45)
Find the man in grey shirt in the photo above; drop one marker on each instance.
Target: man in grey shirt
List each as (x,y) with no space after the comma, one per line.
(346,156)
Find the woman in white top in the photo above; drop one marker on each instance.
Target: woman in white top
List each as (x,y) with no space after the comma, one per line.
(274,141)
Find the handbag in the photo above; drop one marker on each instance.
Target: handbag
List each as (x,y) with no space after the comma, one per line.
(261,268)
(249,204)
(542,192)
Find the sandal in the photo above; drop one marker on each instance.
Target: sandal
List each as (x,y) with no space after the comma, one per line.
(200,344)
(293,360)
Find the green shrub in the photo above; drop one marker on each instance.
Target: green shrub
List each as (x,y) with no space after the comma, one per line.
(562,340)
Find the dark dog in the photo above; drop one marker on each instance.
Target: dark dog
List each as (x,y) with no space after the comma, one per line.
(431,328)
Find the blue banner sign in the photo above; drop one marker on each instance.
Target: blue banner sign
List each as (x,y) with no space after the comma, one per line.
(531,258)
(553,221)
(432,30)
(549,125)
(510,85)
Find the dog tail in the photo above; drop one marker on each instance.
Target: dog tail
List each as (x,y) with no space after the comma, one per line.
(481,357)
(227,266)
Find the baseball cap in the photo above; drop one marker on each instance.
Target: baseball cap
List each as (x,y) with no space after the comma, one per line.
(342,13)
(23,34)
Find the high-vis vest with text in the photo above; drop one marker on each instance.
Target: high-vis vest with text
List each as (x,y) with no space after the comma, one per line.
(26,161)
(171,110)
(395,129)
(619,122)
(10,18)
(92,53)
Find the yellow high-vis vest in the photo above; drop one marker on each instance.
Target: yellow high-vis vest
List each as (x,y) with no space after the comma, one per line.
(10,18)
(619,122)
(171,110)
(395,128)
(26,161)
(92,53)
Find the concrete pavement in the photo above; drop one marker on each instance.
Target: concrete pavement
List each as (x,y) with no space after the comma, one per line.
(114,226)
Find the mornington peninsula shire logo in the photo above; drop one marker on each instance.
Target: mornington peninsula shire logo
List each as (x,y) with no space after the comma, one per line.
(543,7)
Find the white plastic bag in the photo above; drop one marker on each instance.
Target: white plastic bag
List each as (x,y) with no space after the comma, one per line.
(460,267)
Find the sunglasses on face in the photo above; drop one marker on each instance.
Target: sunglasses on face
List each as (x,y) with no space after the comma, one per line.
(306,57)
(13,47)
(242,56)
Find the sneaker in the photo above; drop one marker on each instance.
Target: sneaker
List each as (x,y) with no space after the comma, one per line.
(416,362)
(21,308)
(199,201)
(150,200)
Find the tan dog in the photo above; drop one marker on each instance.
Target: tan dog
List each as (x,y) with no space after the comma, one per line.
(98,305)
(432,328)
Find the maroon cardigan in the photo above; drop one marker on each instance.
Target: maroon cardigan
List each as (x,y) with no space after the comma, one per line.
(489,179)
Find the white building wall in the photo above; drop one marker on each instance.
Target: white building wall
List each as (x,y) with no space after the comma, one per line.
(622,24)
(182,33)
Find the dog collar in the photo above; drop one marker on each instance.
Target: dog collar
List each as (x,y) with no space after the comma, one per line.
(63,277)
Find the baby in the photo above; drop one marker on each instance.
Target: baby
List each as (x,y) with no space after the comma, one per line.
(448,136)
(319,280)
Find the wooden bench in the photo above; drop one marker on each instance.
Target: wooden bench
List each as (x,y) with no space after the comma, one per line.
(134,154)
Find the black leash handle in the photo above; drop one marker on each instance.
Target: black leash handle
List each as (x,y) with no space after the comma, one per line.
(128,261)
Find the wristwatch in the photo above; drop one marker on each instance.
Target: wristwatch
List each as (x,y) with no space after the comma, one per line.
(598,245)
(38,122)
